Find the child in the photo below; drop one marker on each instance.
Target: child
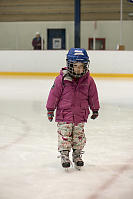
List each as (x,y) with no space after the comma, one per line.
(73,92)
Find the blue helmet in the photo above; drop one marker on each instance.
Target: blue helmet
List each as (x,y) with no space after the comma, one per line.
(77,55)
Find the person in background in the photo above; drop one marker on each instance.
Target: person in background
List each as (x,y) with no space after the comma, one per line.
(73,94)
(37,42)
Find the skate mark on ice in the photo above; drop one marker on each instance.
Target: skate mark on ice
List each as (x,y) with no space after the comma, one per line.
(24,126)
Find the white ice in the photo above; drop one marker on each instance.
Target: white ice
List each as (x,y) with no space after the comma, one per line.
(29,167)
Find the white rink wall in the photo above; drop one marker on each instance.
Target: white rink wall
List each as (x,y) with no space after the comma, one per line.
(111,62)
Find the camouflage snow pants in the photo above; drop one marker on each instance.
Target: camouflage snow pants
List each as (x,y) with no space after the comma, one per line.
(71,136)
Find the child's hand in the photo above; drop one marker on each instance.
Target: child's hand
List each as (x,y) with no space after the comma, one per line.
(50,115)
(94,115)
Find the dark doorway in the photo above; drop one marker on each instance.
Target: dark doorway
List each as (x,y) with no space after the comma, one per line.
(56,39)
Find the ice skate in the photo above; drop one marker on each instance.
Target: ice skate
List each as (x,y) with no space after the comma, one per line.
(77,159)
(65,159)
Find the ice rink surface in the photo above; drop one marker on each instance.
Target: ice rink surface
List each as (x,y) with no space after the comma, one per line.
(29,167)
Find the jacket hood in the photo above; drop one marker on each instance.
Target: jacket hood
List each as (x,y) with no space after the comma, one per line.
(63,71)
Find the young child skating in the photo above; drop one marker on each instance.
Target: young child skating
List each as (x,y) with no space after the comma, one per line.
(74,92)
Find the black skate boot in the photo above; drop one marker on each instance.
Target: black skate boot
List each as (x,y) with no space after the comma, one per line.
(65,159)
(77,158)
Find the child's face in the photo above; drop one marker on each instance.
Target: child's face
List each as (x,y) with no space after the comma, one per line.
(78,67)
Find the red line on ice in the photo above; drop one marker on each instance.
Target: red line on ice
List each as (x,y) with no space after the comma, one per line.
(111,181)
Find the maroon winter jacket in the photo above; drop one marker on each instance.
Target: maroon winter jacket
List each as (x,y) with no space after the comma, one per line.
(72,99)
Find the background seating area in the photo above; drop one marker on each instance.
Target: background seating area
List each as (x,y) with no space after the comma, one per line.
(62,10)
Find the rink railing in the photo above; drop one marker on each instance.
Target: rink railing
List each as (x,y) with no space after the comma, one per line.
(49,62)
